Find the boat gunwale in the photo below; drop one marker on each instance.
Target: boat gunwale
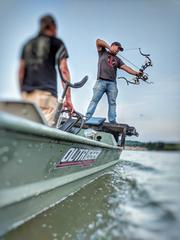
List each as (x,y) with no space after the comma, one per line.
(16,124)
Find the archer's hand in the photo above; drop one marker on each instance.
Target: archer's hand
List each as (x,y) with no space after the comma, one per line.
(140,73)
(68,104)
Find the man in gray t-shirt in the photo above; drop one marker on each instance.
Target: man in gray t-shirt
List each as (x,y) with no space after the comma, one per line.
(106,77)
(107,65)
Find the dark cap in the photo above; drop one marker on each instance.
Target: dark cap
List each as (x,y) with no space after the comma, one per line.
(46,21)
(119,45)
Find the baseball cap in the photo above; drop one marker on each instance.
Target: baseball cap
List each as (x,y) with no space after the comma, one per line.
(119,45)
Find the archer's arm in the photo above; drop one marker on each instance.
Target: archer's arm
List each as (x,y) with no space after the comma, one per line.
(102,44)
(130,70)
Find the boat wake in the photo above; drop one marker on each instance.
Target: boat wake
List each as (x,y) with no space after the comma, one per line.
(135,211)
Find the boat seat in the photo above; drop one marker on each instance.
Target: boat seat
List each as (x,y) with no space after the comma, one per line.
(95,121)
(23,109)
(66,126)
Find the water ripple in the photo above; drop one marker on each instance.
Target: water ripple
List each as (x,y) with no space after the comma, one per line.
(139,166)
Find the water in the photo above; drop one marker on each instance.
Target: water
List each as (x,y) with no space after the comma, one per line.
(138,200)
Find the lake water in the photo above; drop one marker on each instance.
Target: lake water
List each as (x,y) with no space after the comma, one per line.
(138,200)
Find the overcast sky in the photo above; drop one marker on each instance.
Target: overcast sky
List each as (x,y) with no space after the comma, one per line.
(152,25)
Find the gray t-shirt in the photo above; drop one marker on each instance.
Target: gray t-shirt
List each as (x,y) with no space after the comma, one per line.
(107,65)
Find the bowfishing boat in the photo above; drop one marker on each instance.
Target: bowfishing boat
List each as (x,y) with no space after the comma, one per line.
(41,165)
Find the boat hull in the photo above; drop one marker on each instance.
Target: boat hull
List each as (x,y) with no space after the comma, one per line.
(40,166)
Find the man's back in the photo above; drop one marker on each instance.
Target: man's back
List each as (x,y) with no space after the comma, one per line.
(39,55)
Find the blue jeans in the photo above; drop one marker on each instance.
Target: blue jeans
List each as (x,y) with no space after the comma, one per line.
(101,87)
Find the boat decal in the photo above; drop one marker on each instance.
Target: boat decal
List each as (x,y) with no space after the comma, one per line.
(79,156)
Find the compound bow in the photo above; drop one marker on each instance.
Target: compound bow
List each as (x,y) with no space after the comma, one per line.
(144,76)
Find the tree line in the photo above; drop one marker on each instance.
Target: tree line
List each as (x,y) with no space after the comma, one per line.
(163,146)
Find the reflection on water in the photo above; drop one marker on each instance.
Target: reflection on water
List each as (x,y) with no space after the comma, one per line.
(138,200)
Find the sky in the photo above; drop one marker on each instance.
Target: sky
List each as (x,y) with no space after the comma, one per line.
(152,25)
